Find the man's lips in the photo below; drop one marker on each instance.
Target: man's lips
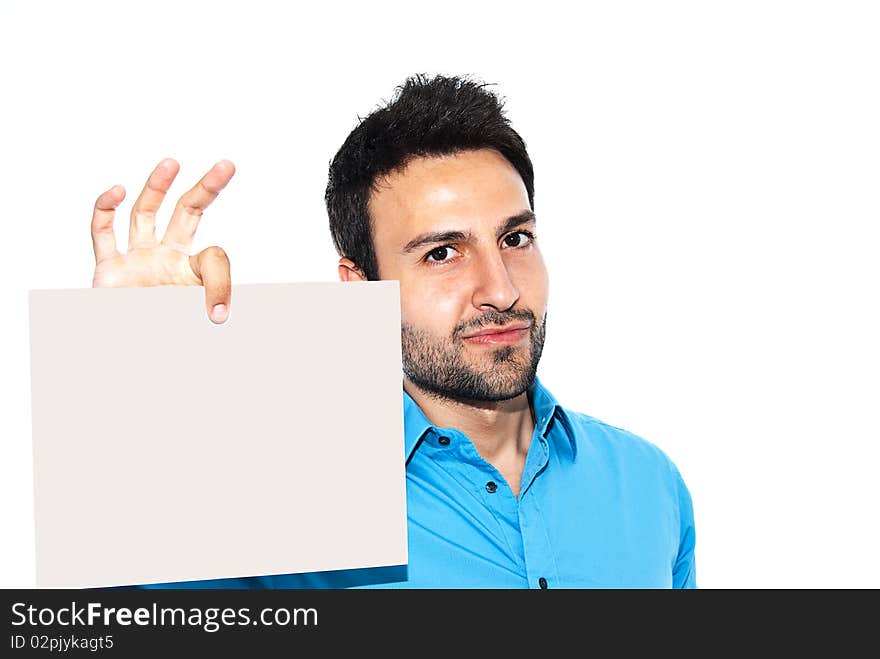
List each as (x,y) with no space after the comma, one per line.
(499,335)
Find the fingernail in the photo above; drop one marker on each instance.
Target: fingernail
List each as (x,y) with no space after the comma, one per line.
(218,313)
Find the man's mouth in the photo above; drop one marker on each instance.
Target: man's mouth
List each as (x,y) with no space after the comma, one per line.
(494,336)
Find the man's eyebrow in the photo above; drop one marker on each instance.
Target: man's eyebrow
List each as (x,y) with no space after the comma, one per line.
(436,237)
(526,217)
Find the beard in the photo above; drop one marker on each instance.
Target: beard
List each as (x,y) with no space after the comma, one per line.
(441,367)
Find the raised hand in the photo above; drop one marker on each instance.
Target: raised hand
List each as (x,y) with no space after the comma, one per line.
(149,262)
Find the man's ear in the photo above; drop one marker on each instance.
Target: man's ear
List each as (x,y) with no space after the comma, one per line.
(348,271)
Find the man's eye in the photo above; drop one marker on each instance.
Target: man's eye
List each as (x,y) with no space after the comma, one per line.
(440,254)
(518,239)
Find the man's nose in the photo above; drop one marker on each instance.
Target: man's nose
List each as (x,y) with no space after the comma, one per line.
(493,287)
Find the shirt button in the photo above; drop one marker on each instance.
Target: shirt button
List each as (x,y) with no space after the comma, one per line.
(491,487)
(542,582)
(443,441)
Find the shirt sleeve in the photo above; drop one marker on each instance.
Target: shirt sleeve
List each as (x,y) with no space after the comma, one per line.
(684,571)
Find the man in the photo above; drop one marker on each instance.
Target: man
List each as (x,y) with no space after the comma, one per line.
(505,487)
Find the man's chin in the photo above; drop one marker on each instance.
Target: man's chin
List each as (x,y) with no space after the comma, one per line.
(492,388)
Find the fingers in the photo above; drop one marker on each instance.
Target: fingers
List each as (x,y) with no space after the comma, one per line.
(211,265)
(189,209)
(103,238)
(142,230)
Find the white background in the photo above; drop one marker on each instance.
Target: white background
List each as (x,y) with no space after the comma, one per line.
(707,193)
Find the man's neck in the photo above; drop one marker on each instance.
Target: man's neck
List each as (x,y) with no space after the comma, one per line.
(500,430)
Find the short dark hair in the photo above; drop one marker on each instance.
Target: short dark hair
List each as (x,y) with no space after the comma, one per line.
(428,116)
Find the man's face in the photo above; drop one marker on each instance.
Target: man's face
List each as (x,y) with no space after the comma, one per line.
(457,233)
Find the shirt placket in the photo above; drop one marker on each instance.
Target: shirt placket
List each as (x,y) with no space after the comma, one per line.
(540,558)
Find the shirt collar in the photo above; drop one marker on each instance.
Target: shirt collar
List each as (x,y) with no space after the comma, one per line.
(547,409)
(415,425)
(544,405)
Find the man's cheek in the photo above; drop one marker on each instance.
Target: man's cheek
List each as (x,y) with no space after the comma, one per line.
(432,312)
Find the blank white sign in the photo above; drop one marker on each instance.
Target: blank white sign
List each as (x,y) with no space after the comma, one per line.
(167,448)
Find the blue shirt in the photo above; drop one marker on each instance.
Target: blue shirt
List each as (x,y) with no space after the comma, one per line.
(598,507)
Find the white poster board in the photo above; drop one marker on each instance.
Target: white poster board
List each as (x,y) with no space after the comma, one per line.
(167,448)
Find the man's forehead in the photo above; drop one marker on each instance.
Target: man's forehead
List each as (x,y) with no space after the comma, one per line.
(469,191)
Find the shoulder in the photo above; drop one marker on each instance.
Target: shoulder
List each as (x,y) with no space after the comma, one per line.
(602,443)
